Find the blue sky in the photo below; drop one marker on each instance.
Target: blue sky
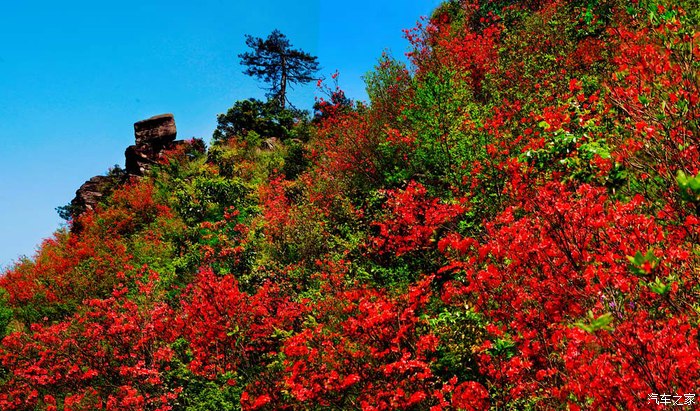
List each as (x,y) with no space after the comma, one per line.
(76,75)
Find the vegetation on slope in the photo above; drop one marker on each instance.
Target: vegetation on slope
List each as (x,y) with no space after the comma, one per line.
(512,222)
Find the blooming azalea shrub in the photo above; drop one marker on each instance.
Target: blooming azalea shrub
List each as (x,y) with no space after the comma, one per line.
(567,287)
(228,329)
(412,220)
(110,355)
(361,347)
(655,85)
(358,347)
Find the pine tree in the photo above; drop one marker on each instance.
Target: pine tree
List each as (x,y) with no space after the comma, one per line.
(274,61)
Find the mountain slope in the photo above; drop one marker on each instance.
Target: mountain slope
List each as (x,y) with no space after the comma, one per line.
(511,223)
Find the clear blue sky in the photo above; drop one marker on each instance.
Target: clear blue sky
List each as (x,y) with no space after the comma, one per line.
(76,75)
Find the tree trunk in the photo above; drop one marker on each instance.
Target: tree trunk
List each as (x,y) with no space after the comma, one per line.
(283,83)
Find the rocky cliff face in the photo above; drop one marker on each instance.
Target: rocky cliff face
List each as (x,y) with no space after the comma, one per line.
(153,136)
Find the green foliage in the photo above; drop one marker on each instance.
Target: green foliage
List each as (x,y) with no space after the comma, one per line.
(226,158)
(440,104)
(253,120)
(199,393)
(643,264)
(391,276)
(389,79)
(295,160)
(593,323)
(6,313)
(305,240)
(460,330)
(66,212)
(594,17)
(659,287)
(690,187)
(204,197)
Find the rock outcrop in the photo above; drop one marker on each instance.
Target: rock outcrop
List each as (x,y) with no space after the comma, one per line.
(155,131)
(90,193)
(153,137)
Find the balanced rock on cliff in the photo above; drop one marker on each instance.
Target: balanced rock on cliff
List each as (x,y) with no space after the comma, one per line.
(153,135)
(155,131)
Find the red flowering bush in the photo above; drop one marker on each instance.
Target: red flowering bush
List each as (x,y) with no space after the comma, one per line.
(567,288)
(412,220)
(360,347)
(228,329)
(109,355)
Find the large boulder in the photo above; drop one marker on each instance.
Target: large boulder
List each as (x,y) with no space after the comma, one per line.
(156,131)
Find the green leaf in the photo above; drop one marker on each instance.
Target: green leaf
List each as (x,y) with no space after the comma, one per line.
(638,263)
(690,186)
(659,288)
(594,324)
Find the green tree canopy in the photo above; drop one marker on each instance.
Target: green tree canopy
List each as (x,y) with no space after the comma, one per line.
(265,119)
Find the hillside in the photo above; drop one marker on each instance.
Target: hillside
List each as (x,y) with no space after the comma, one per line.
(512,222)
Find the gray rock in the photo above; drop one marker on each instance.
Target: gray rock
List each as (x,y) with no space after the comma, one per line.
(157,130)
